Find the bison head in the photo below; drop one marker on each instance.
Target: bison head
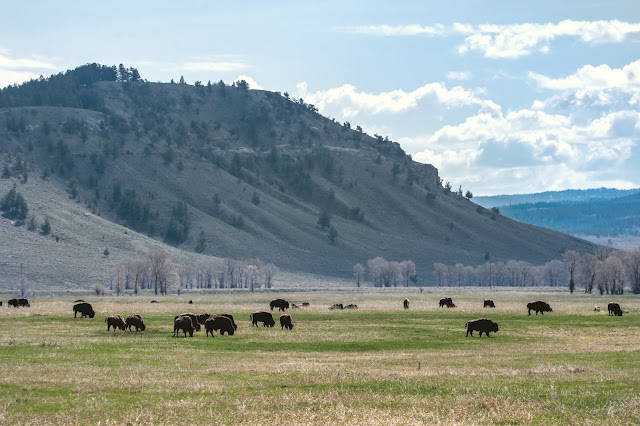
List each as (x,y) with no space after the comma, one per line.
(92,314)
(495,327)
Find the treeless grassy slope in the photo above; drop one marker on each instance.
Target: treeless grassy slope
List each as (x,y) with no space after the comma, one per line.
(379,364)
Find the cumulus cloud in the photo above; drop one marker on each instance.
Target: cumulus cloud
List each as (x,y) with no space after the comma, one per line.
(516,40)
(527,144)
(352,102)
(597,86)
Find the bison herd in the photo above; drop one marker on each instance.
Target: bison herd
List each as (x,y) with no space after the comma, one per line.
(189,323)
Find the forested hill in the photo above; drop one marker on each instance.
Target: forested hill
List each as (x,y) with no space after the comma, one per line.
(598,217)
(569,195)
(225,171)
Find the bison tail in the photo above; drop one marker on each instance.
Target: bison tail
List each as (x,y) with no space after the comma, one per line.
(467,324)
(105,320)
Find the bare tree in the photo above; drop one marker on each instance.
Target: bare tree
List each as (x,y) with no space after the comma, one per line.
(376,266)
(358,273)
(161,269)
(439,272)
(552,272)
(270,271)
(407,271)
(632,267)
(571,259)
(118,278)
(588,270)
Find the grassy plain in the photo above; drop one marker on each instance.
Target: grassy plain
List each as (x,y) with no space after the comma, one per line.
(377,365)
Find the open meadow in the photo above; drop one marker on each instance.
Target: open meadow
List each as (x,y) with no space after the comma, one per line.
(379,364)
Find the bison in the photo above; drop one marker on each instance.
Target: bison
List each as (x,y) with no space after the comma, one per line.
(488,304)
(219,323)
(13,302)
(596,309)
(405,303)
(294,306)
(539,306)
(183,323)
(78,301)
(264,317)
(202,318)
(285,322)
(85,309)
(23,303)
(448,302)
(351,306)
(235,326)
(0,302)
(190,302)
(337,306)
(305,304)
(194,320)
(482,325)
(154,301)
(135,321)
(614,309)
(281,304)
(115,321)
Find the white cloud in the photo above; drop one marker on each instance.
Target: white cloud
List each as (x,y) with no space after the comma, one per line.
(352,102)
(397,30)
(516,40)
(252,83)
(589,86)
(18,70)
(459,75)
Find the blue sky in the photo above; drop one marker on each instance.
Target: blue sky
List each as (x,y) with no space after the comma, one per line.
(502,97)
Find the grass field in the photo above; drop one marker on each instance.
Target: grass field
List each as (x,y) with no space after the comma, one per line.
(377,365)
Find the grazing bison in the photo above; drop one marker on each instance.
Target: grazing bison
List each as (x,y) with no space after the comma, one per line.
(235,326)
(285,322)
(219,323)
(448,302)
(614,309)
(281,304)
(194,320)
(190,302)
(539,306)
(405,303)
(85,309)
(337,306)
(482,325)
(183,323)
(154,301)
(135,321)
(596,309)
(202,318)
(115,321)
(13,302)
(294,306)
(23,303)
(78,301)
(264,317)
(488,304)
(305,304)
(351,306)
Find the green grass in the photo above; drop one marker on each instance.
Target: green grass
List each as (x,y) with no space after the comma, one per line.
(379,364)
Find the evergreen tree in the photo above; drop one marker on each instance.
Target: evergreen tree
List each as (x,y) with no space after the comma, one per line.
(14,205)
(324,220)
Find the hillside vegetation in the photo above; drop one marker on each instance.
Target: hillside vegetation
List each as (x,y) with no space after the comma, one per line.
(116,162)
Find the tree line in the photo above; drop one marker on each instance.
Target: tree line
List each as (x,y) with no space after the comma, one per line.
(159,273)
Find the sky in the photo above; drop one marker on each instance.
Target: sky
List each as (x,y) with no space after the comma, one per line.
(501,97)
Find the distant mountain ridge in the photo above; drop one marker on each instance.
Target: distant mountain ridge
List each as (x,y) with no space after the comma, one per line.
(119,163)
(569,195)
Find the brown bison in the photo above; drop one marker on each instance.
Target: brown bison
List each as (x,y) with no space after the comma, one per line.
(294,306)
(220,324)
(154,301)
(448,302)
(85,309)
(281,304)
(202,318)
(235,326)
(405,303)
(488,304)
(23,303)
(614,309)
(194,320)
(135,321)
(0,302)
(183,323)
(264,317)
(13,302)
(115,321)
(190,302)
(596,309)
(337,306)
(285,322)
(482,325)
(78,301)
(351,306)
(539,306)
(305,304)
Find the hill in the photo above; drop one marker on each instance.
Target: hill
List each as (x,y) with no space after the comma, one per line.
(120,163)
(569,195)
